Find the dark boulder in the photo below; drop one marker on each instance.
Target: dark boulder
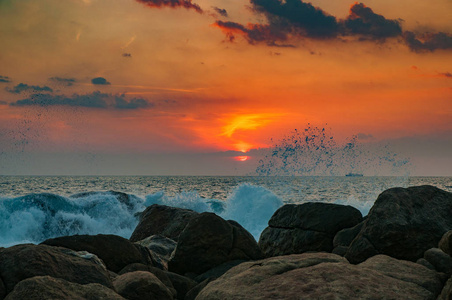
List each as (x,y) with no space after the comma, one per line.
(346,236)
(446,293)
(141,285)
(2,289)
(323,276)
(209,241)
(181,283)
(163,220)
(218,271)
(46,287)
(445,243)
(306,227)
(403,223)
(24,261)
(160,248)
(440,260)
(116,252)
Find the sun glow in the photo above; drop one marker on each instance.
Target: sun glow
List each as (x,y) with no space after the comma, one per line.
(241,158)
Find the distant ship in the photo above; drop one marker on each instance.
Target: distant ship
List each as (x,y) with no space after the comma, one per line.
(353,175)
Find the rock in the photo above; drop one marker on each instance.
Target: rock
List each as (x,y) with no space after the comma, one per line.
(317,276)
(440,260)
(209,241)
(446,293)
(406,271)
(404,223)
(193,293)
(340,250)
(161,275)
(346,236)
(116,252)
(181,283)
(24,261)
(425,263)
(160,248)
(217,271)
(141,285)
(46,287)
(163,220)
(306,227)
(2,289)
(445,243)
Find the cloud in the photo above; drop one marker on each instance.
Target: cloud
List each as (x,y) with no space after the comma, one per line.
(446,74)
(253,33)
(292,20)
(64,81)
(363,21)
(221,11)
(428,41)
(3,103)
(297,17)
(92,100)
(5,79)
(172,3)
(127,55)
(23,87)
(100,81)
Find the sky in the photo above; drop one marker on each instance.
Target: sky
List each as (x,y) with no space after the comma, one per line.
(209,87)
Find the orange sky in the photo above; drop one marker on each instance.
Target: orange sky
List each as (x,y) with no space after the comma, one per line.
(206,94)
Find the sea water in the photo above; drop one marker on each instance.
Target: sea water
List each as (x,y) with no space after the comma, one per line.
(35,208)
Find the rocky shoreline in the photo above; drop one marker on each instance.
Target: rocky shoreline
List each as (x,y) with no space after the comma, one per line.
(401,250)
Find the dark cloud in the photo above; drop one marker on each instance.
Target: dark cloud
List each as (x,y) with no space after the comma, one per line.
(100,81)
(447,74)
(172,3)
(297,17)
(5,79)
(253,33)
(288,20)
(428,41)
(126,55)
(64,81)
(221,11)
(93,100)
(363,21)
(23,87)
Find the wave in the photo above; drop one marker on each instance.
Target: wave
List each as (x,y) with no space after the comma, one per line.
(36,217)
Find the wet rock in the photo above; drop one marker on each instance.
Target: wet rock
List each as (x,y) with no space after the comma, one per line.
(116,252)
(163,220)
(46,287)
(445,243)
(141,285)
(319,276)
(306,227)
(209,241)
(24,261)
(440,260)
(160,248)
(404,223)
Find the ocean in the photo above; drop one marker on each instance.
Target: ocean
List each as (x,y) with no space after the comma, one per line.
(35,208)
